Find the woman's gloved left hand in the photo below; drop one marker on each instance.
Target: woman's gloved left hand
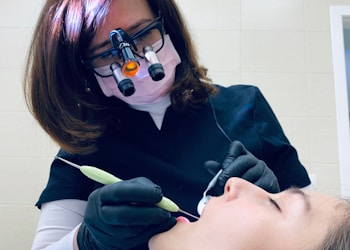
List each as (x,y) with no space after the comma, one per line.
(239,162)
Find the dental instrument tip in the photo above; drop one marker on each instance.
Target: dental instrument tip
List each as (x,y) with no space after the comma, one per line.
(68,162)
(188,214)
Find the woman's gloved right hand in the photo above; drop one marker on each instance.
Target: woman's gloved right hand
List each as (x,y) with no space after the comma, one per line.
(123,215)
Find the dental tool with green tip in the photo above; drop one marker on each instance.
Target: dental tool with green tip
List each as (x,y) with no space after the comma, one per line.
(106,178)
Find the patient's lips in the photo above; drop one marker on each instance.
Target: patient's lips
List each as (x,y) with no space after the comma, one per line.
(182,219)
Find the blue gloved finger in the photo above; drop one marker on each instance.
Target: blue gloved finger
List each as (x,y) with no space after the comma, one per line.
(137,190)
(241,165)
(238,168)
(212,167)
(261,175)
(268,181)
(236,149)
(133,215)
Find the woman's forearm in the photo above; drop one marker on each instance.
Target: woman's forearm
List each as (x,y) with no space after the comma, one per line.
(58,224)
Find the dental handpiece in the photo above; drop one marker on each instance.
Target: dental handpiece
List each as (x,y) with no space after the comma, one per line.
(106,178)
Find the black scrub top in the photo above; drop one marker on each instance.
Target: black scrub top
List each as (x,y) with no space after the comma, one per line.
(173,157)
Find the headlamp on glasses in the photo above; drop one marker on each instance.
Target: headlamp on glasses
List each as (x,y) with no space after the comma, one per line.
(120,41)
(122,60)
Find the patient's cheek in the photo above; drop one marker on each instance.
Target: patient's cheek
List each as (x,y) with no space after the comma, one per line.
(182,219)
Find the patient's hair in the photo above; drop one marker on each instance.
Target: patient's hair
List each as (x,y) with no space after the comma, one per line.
(338,236)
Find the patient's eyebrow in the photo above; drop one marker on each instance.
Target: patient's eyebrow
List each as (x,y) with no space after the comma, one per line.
(303,195)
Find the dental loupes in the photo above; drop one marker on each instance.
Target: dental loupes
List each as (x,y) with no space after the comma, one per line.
(106,178)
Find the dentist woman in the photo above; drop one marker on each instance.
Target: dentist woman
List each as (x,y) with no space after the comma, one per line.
(117,84)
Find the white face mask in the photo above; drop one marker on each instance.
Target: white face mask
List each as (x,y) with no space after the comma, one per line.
(146,90)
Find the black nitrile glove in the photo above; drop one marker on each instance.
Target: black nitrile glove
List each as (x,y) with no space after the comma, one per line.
(123,215)
(239,162)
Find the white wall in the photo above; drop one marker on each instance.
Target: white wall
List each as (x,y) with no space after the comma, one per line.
(25,151)
(282,46)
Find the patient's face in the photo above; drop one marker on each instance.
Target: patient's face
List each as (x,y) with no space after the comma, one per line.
(247,217)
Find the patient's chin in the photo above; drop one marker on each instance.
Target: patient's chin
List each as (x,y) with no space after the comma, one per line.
(157,242)
(170,239)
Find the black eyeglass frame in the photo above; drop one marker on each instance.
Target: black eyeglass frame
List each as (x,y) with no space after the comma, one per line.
(157,23)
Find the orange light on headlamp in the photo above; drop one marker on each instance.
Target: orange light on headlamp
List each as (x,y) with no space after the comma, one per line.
(130,68)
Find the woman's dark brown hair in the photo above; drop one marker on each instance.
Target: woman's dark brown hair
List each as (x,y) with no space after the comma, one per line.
(63,94)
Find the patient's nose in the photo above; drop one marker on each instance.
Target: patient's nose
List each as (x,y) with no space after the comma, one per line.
(236,186)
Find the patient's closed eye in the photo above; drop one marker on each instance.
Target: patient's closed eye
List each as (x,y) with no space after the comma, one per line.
(274,203)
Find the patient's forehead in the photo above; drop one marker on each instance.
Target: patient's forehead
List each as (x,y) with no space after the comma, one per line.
(318,198)
(325,207)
